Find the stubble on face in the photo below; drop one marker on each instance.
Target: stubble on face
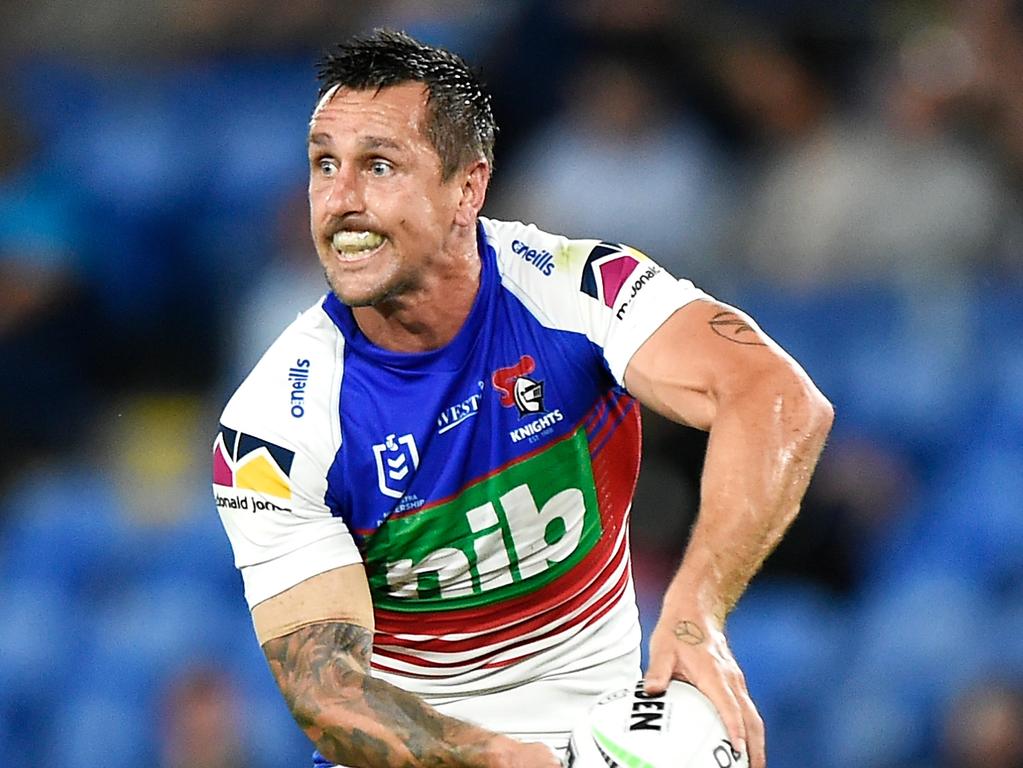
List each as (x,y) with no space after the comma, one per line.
(375,174)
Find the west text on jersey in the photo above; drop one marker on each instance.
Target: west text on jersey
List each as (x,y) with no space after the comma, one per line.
(453,416)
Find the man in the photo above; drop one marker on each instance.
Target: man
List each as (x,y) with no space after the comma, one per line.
(426,480)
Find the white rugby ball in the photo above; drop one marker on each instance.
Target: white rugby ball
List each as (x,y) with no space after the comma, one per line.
(676,729)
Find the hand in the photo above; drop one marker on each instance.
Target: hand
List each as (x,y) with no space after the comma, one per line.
(518,754)
(694,649)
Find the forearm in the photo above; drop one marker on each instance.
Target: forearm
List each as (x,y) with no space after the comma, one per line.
(764,444)
(357,720)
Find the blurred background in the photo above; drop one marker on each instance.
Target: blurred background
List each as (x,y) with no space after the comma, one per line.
(849,173)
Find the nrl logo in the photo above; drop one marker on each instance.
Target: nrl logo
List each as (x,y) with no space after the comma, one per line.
(396,458)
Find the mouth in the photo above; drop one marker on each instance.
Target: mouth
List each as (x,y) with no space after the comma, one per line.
(353,246)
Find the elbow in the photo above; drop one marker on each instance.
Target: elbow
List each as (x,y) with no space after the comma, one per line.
(797,407)
(806,409)
(821,418)
(306,711)
(319,713)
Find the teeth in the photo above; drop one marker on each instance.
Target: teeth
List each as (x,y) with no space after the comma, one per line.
(356,242)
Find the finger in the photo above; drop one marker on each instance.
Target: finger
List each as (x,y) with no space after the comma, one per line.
(755,737)
(755,734)
(658,673)
(727,704)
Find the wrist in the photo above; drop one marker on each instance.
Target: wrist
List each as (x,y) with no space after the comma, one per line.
(694,598)
(499,751)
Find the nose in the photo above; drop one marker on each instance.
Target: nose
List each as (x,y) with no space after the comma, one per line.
(344,196)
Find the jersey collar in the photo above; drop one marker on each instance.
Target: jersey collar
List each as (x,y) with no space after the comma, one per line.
(455,353)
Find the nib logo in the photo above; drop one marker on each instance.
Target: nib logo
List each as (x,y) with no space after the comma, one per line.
(248,463)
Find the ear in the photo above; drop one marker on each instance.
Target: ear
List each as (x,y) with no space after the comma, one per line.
(472,193)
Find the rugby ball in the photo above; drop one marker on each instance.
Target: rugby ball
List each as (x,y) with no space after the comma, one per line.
(630,728)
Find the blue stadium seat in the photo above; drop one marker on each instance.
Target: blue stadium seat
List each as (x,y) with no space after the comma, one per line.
(39,651)
(1004,645)
(151,629)
(789,638)
(975,517)
(94,730)
(62,529)
(870,349)
(917,644)
(867,727)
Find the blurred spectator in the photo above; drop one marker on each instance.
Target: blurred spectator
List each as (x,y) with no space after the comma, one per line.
(582,174)
(154,239)
(43,318)
(200,722)
(885,191)
(984,728)
(127,30)
(861,493)
(990,33)
(290,283)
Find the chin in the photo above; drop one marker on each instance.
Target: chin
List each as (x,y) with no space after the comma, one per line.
(354,297)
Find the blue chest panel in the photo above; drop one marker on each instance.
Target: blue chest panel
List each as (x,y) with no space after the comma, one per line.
(417,429)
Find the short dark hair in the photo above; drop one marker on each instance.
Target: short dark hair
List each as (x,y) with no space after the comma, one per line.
(460,121)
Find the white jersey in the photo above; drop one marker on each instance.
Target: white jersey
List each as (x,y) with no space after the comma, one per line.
(485,486)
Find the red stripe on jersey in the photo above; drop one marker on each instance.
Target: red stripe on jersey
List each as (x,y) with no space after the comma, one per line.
(570,588)
(592,614)
(615,471)
(535,620)
(616,467)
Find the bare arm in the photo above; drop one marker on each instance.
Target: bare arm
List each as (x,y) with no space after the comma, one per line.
(356,720)
(709,366)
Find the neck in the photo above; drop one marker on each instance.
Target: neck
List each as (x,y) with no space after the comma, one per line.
(429,315)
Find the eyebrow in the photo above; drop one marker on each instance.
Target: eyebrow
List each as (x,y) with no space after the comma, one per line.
(367,143)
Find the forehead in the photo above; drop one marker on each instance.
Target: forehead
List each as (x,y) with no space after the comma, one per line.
(395,109)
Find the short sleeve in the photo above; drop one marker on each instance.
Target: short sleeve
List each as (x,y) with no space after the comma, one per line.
(614,294)
(630,297)
(271,454)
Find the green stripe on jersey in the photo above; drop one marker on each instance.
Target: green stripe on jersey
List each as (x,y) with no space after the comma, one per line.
(505,536)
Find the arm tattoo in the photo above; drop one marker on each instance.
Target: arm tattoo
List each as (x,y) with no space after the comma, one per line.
(355,719)
(689,633)
(728,325)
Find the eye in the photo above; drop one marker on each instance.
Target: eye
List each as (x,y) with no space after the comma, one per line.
(326,166)
(380,168)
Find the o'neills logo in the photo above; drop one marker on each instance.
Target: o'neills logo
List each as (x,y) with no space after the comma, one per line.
(517,389)
(542,260)
(298,379)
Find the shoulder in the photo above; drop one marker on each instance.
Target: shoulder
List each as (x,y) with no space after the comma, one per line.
(533,261)
(289,395)
(545,270)
(525,251)
(614,294)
